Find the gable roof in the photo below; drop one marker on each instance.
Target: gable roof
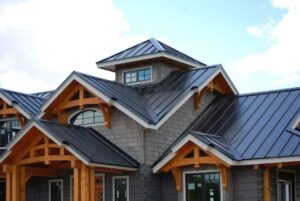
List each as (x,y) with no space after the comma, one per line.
(148,49)
(85,143)
(252,128)
(27,104)
(150,106)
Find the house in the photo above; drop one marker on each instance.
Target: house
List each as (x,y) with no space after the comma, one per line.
(169,128)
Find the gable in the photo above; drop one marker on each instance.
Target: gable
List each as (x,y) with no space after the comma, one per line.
(8,111)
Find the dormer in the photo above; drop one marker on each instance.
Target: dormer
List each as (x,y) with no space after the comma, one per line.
(15,110)
(148,62)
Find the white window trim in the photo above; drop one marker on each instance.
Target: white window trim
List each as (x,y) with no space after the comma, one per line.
(86,109)
(113,185)
(62,186)
(184,173)
(295,180)
(135,69)
(96,174)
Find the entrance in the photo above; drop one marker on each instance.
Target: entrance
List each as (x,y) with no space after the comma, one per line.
(202,186)
(99,187)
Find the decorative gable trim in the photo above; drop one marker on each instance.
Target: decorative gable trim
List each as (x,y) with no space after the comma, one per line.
(15,105)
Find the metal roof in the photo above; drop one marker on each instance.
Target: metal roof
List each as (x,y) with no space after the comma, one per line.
(149,47)
(29,103)
(88,143)
(43,94)
(250,126)
(154,102)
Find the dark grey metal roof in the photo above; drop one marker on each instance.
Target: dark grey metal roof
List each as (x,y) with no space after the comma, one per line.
(44,94)
(152,103)
(29,103)
(250,126)
(89,144)
(149,47)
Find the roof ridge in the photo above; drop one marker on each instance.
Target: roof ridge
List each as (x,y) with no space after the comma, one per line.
(21,93)
(269,91)
(157,45)
(122,51)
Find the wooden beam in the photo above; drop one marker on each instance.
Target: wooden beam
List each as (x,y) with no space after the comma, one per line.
(16,183)
(84,182)
(8,186)
(256,167)
(107,116)
(267,185)
(224,176)
(40,172)
(178,178)
(92,184)
(62,117)
(197,99)
(22,184)
(77,190)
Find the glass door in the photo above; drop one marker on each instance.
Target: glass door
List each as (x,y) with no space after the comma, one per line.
(202,186)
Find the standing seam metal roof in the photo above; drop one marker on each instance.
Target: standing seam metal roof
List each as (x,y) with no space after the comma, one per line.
(250,126)
(148,47)
(152,103)
(29,103)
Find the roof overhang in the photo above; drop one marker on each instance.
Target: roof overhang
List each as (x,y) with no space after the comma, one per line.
(15,105)
(145,124)
(110,66)
(78,155)
(190,138)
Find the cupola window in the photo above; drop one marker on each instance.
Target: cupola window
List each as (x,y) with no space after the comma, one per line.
(87,117)
(138,75)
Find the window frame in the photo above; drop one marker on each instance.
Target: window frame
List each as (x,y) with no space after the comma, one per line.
(86,109)
(127,187)
(184,173)
(10,120)
(137,70)
(294,180)
(62,186)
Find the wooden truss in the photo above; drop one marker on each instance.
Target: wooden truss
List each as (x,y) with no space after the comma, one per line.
(9,111)
(192,155)
(76,96)
(218,84)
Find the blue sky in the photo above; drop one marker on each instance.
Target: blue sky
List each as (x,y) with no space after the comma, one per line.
(257,41)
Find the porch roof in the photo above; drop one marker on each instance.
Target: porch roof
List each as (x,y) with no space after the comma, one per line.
(85,143)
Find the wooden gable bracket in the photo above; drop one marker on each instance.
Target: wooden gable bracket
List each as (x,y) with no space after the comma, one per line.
(7,110)
(191,154)
(106,110)
(197,98)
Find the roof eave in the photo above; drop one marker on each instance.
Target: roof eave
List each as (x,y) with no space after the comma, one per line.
(110,66)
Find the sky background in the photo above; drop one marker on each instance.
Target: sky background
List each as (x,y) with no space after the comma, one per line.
(43,41)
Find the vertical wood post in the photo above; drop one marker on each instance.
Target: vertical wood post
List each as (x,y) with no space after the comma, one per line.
(85,184)
(8,186)
(15,183)
(267,186)
(22,184)
(92,184)
(76,195)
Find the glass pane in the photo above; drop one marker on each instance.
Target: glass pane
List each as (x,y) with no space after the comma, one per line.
(121,189)
(56,191)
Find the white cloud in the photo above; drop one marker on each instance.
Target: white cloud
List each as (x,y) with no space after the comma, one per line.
(281,59)
(44,40)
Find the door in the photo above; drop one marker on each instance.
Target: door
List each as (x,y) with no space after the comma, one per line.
(99,187)
(286,186)
(202,187)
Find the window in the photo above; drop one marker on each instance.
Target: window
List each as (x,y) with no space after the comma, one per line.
(8,130)
(56,190)
(203,186)
(121,188)
(140,75)
(87,117)
(286,186)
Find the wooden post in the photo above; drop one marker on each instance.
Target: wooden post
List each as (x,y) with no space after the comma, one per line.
(267,193)
(178,178)
(76,195)
(8,186)
(15,183)
(22,184)
(85,183)
(92,184)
